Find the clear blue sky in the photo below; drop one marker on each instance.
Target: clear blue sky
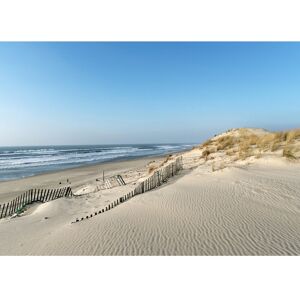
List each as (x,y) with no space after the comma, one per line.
(99,93)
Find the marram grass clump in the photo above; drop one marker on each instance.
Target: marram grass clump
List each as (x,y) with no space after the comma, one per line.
(244,143)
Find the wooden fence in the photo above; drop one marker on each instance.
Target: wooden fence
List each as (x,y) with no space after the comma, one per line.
(31,196)
(44,195)
(155,180)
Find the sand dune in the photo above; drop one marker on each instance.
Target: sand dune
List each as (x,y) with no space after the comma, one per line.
(249,210)
(218,205)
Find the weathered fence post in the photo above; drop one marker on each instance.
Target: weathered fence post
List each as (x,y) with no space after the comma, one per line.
(18,204)
(31,193)
(50,194)
(11,207)
(7,207)
(2,212)
(46,195)
(63,192)
(14,206)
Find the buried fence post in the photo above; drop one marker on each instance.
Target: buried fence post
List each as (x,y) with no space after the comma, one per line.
(57,194)
(54,194)
(7,207)
(11,207)
(50,194)
(37,195)
(26,196)
(43,195)
(31,195)
(34,195)
(3,206)
(15,205)
(18,204)
(47,194)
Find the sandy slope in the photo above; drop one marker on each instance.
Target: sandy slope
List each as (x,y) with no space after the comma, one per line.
(241,210)
(240,199)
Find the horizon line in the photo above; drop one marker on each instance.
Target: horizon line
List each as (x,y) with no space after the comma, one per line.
(112,144)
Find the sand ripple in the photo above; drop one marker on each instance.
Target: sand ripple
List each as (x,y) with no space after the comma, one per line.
(232,212)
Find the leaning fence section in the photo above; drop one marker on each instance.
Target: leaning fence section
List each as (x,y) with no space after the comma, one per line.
(158,178)
(31,196)
(44,195)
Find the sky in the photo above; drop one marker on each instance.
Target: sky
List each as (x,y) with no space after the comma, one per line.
(121,93)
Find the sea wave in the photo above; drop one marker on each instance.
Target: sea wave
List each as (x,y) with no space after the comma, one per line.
(18,162)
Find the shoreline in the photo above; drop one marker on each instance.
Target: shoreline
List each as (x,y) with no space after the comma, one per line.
(87,165)
(76,176)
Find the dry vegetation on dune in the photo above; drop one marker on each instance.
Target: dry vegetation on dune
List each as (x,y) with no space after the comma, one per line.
(242,143)
(153,167)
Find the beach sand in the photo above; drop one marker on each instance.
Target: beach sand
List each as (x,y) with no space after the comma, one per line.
(249,207)
(77,177)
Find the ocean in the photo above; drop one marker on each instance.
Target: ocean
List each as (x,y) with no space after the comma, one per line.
(20,162)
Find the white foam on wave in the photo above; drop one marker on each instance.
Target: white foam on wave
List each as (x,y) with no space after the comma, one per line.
(23,161)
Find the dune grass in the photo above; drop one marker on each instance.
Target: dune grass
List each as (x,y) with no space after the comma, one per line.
(152,168)
(244,143)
